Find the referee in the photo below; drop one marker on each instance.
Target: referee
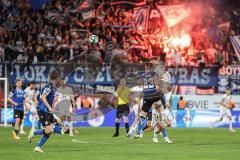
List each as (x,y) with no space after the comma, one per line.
(123,97)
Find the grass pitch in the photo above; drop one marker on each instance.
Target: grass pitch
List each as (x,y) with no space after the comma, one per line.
(97,144)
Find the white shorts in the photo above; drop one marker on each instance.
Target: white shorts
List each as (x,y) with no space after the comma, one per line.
(30,106)
(165,114)
(224,112)
(136,110)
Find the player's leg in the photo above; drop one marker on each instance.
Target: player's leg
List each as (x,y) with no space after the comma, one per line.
(125,117)
(70,125)
(18,116)
(133,127)
(117,123)
(149,126)
(229,116)
(34,118)
(46,134)
(22,124)
(154,123)
(222,113)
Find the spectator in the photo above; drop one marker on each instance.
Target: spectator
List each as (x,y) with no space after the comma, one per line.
(181,103)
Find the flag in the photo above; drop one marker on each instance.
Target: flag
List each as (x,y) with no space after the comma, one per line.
(235,40)
(129,2)
(55,16)
(224,26)
(174,14)
(140,19)
(87,9)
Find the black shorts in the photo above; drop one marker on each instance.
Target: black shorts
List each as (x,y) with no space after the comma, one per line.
(147,103)
(45,118)
(122,110)
(18,114)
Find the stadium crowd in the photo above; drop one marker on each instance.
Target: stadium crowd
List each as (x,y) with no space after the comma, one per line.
(38,37)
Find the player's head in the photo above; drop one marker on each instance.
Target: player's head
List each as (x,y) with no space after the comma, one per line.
(228,91)
(18,83)
(63,82)
(42,85)
(148,66)
(123,81)
(155,60)
(54,77)
(32,85)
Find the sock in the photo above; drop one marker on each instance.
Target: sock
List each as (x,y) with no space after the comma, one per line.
(71,127)
(39,124)
(57,129)
(34,120)
(127,127)
(131,130)
(22,124)
(141,125)
(135,129)
(164,132)
(42,140)
(16,131)
(155,135)
(117,127)
(230,124)
(39,132)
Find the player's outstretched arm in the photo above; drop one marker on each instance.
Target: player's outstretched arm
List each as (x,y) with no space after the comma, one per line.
(45,102)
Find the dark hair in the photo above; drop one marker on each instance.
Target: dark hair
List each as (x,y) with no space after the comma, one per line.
(149,64)
(228,88)
(17,80)
(54,75)
(181,97)
(32,82)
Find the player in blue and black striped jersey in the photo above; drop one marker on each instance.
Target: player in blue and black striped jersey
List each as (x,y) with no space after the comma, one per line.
(45,111)
(150,93)
(37,99)
(16,98)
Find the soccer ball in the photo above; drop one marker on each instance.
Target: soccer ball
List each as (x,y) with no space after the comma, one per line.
(93,39)
(230,104)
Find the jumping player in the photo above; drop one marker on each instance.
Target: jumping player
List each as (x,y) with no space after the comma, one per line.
(150,94)
(225,106)
(46,110)
(16,98)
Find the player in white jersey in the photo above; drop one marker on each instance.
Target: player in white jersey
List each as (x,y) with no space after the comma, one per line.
(165,88)
(136,94)
(30,105)
(225,105)
(65,104)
